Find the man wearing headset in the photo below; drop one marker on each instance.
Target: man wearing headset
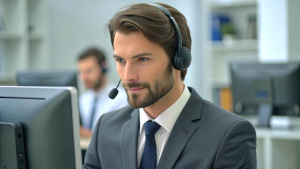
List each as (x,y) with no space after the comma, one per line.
(167,125)
(94,101)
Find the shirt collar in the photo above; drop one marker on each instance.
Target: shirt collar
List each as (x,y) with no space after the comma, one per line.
(168,117)
(103,91)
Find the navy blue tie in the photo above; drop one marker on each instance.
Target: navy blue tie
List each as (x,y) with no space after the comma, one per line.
(148,160)
(93,112)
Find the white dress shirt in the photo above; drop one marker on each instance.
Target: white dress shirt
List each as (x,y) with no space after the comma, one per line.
(104,104)
(166,120)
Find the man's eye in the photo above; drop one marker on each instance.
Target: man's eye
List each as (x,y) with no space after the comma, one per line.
(120,60)
(143,59)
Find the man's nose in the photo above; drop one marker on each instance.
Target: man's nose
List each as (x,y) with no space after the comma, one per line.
(130,73)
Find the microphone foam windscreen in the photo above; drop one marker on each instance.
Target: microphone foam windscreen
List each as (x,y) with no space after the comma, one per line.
(113,93)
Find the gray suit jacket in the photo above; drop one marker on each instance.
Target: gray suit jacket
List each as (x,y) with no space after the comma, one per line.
(205,136)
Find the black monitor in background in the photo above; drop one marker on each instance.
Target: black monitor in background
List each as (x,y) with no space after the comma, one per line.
(266,89)
(50,124)
(47,78)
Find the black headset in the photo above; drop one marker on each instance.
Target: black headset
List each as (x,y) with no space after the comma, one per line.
(100,62)
(103,68)
(182,57)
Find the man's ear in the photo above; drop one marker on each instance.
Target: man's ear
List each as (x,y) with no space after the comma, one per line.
(104,66)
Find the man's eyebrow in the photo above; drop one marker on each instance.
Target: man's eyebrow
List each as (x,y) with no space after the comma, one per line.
(116,56)
(135,56)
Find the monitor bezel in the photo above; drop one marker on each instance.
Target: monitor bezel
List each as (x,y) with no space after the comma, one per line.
(5,92)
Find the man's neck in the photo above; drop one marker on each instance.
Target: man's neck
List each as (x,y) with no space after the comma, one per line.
(103,83)
(166,101)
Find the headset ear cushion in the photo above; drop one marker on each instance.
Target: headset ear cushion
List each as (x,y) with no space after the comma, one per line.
(175,62)
(186,58)
(103,67)
(183,61)
(104,70)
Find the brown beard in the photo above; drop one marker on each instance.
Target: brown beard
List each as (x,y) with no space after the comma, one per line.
(98,83)
(160,88)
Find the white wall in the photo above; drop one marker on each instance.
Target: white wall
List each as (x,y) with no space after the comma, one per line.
(279,26)
(77,24)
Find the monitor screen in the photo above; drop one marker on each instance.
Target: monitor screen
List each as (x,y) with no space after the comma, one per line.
(50,122)
(47,78)
(266,88)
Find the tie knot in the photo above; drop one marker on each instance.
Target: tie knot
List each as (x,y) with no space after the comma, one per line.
(151,128)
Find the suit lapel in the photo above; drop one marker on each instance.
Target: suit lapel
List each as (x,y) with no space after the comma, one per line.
(128,141)
(182,131)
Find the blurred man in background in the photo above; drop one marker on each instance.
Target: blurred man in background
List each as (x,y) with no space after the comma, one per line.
(95,101)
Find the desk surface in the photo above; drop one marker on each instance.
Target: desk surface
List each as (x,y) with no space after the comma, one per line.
(84,142)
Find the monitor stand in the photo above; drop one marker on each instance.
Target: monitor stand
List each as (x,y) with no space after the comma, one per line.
(264,114)
(12,154)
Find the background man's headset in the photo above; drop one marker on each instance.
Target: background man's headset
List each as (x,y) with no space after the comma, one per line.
(182,57)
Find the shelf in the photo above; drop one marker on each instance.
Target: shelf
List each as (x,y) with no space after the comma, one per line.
(7,76)
(7,79)
(23,43)
(10,35)
(221,4)
(36,35)
(234,45)
(220,82)
(278,146)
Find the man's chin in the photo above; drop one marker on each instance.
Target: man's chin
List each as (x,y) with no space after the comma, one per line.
(89,86)
(134,101)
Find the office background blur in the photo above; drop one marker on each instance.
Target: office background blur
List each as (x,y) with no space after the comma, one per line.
(65,28)
(50,34)
(79,24)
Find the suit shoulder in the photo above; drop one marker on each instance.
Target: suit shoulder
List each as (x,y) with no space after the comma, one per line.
(210,112)
(121,114)
(220,115)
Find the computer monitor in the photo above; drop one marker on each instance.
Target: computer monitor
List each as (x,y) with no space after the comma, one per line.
(266,89)
(50,122)
(47,78)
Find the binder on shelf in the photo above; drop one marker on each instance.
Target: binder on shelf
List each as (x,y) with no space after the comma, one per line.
(221,26)
(216,96)
(251,32)
(223,97)
(226,99)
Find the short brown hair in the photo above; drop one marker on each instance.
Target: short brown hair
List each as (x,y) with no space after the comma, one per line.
(154,24)
(96,53)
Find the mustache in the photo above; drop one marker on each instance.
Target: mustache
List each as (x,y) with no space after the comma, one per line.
(134,84)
